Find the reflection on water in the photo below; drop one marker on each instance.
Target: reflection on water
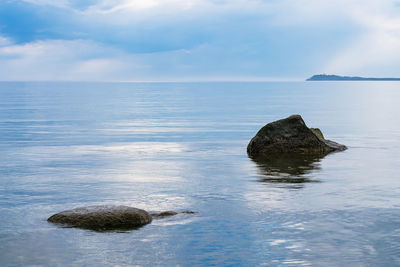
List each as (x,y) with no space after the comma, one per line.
(287,169)
(178,147)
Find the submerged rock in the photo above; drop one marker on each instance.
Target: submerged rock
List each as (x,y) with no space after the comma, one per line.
(102,217)
(170,213)
(290,135)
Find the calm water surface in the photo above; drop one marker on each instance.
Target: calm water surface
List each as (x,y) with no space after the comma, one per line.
(178,146)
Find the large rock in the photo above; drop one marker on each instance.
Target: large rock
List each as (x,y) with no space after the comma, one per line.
(290,135)
(102,217)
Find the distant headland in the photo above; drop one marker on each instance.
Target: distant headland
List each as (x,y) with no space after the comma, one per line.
(326,77)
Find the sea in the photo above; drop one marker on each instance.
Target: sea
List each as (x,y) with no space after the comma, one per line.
(182,146)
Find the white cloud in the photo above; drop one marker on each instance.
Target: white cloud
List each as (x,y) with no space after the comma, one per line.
(5,41)
(81,60)
(59,60)
(371,48)
(107,6)
(374,52)
(283,11)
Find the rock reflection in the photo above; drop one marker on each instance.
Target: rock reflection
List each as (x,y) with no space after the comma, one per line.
(287,170)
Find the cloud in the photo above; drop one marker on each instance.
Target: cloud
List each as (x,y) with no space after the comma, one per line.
(58,60)
(199,39)
(374,54)
(375,51)
(4,41)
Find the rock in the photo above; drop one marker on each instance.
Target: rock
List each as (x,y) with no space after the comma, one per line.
(102,218)
(170,213)
(164,214)
(290,135)
(318,132)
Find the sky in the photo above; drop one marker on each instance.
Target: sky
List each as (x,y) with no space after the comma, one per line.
(197,40)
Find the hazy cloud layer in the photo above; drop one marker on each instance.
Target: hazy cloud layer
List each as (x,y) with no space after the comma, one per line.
(197,39)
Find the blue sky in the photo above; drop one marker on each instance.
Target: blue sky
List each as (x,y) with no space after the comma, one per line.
(199,40)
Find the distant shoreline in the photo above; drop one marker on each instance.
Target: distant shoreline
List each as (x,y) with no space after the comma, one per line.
(325,77)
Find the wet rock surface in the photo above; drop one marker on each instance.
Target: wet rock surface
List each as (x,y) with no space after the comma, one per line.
(108,217)
(290,135)
(102,218)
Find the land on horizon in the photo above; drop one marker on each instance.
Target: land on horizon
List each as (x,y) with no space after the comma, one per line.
(327,77)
